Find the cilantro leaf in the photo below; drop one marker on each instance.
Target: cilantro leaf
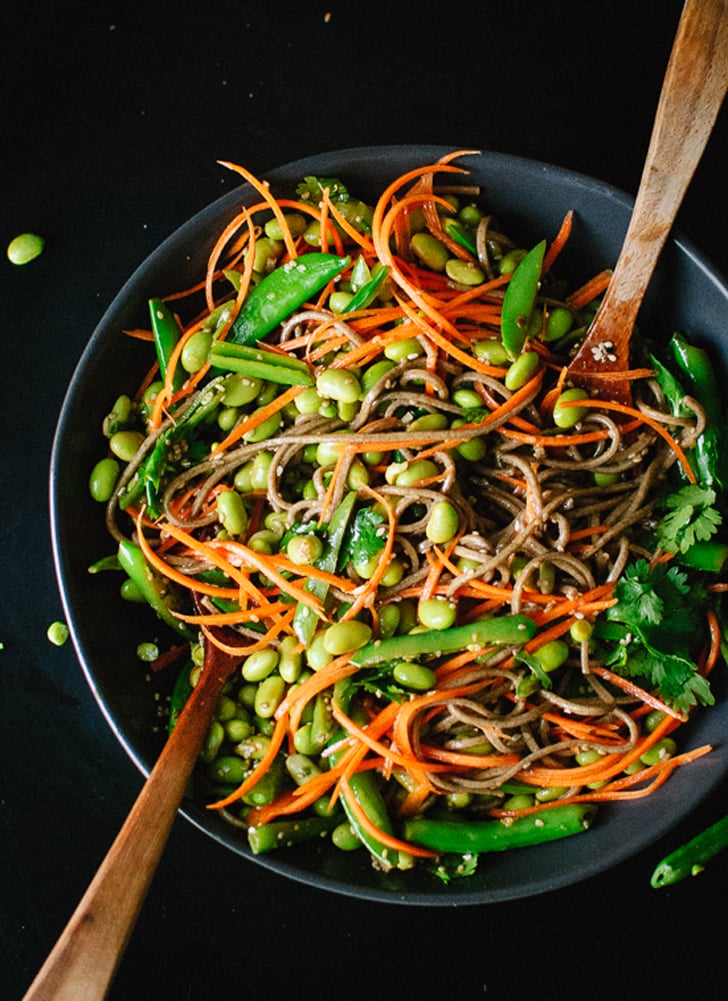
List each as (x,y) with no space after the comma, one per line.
(311,189)
(365,536)
(652,631)
(692,518)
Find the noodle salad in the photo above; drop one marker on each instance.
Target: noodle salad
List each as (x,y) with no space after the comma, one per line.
(471,603)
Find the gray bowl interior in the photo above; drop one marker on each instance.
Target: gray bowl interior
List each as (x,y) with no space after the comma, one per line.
(530,200)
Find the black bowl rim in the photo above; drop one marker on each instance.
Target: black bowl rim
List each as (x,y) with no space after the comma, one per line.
(279,863)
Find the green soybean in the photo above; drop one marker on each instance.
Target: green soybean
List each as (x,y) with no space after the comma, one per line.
(303,550)
(195,351)
(345,637)
(259,665)
(57,633)
(464,272)
(269,696)
(24,248)
(430,251)
(436,613)
(566,415)
(232,512)
(240,389)
(338,384)
(125,444)
(521,370)
(103,479)
(443,522)
(415,676)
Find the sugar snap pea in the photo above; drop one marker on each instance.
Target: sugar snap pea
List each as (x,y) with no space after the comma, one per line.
(151,585)
(257,363)
(519,300)
(281,292)
(503,629)
(286,833)
(462,836)
(166,333)
(304,620)
(690,859)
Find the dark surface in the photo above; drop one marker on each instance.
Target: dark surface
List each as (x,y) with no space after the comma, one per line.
(114,119)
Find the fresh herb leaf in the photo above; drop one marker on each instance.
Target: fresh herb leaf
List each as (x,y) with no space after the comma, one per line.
(450,866)
(692,518)
(365,536)
(652,631)
(311,189)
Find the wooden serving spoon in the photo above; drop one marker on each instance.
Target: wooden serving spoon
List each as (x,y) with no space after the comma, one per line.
(692,93)
(82,963)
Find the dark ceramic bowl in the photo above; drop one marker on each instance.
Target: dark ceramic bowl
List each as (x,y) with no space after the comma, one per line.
(530,199)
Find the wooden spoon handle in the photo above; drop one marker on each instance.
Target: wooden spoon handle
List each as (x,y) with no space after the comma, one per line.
(693,91)
(83,961)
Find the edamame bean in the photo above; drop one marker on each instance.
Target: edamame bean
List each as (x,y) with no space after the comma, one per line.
(259,470)
(232,512)
(24,248)
(430,251)
(558,323)
(521,370)
(345,637)
(416,471)
(125,444)
(415,676)
(407,349)
(566,416)
(338,384)
(345,838)
(269,696)
(119,416)
(57,633)
(195,351)
(227,418)
(581,630)
(388,620)
(510,261)
(237,729)
(290,659)
(266,253)
(339,301)
(301,768)
(304,550)
(492,351)
(296,222)
(371,375)
(436,613)
(130,591)
(240,390)
(213,741)
(317,656)
(443,522)
(308,401)
(552,654)
(393,574)
(660,751)
(266,429)
(263,541)
(466,398)
(103,479)
(259,664)
(227,770)
(428,422)
(464,272)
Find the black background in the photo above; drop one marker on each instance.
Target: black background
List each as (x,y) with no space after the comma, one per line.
(114,116)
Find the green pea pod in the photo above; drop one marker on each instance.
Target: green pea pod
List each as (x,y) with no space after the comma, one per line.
(287,833)
(366,295)
(304,620)
(457,232)
(462,837)
(706,555)
(689,859)
(151,585)
(515,629)
(166,333)
(148,477)
(519,300)
(709,455)
(257,363)
(283,291)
